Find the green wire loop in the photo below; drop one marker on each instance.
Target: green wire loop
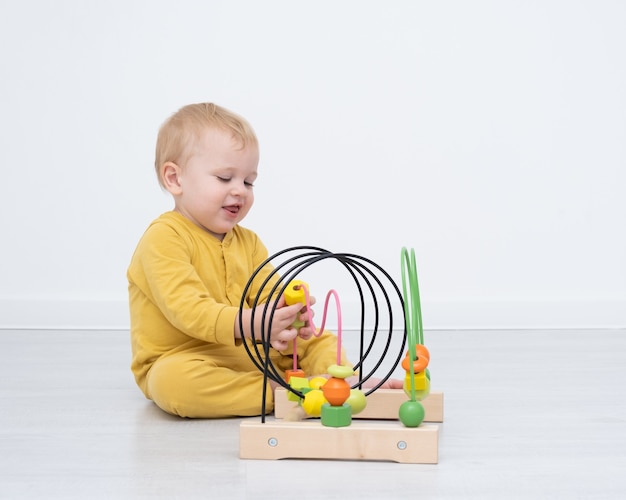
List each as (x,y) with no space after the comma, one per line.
(412,309)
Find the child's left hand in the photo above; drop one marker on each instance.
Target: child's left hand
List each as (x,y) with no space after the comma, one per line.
(391,383)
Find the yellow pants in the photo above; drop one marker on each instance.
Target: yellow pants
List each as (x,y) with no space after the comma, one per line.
(216,381)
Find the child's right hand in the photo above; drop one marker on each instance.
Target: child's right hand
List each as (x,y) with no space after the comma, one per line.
(283,332)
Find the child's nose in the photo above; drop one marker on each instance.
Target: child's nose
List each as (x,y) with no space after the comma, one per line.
(238,188)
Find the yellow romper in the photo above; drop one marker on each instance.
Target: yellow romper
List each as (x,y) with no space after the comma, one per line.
(185,287)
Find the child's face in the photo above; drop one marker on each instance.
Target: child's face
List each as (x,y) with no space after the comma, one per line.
(215,185)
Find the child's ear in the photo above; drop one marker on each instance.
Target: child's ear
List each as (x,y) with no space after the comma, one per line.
(170,174)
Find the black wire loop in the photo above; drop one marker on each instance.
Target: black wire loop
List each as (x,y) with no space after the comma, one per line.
(373,284)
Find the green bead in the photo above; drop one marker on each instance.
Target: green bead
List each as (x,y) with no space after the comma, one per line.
(336,416)
(357,401)
(340,371)
(411,413)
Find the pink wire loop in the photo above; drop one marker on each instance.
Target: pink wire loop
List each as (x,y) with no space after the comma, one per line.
(324,316)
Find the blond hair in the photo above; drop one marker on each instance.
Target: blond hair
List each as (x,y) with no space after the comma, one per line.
(179,131)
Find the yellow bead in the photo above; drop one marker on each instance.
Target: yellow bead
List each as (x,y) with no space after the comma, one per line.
(294,293)
(313,401)
(422,385)
(419,395)
(420,381)
(317,382)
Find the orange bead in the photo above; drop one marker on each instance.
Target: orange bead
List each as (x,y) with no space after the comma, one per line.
(294,373)
(420,364)
(422,351)
(336,391)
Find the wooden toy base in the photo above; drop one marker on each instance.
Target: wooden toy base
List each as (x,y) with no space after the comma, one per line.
(382,404)
(389,441)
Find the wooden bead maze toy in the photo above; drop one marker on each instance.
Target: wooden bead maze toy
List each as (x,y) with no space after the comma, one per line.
(347,421)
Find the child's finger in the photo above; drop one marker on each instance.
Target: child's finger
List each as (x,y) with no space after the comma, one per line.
(279,345)
(305,333)
(287,335)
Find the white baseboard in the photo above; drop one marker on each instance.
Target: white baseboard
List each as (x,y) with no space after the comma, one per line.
(525,314)
(98,314)
(64,314)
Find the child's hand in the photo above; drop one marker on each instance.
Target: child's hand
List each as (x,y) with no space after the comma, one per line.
(281,339)
(282,332)
(391,383)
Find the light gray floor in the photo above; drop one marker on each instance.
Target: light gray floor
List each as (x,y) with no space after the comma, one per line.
(531,415)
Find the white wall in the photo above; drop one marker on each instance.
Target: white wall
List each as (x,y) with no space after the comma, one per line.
(488,135)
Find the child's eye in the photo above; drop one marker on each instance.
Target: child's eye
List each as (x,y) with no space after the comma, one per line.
(249,184)
(223,179)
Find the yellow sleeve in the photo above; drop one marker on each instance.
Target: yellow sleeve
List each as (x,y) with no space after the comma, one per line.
(163,271)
